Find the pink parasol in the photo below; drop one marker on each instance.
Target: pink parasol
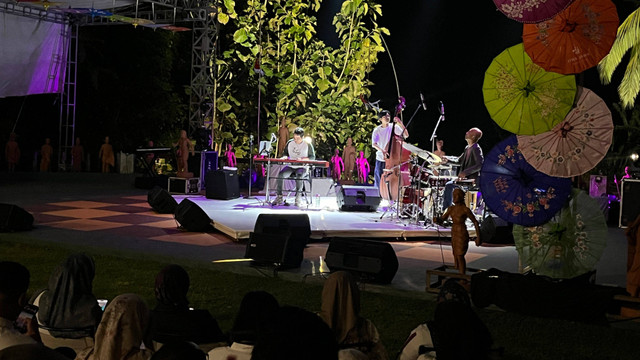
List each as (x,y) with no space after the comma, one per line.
(531,11)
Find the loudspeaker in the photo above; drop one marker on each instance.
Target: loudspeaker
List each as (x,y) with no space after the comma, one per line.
(208,163)
(629,201)
(375,261)
(357,198)
(14,218)
(495,230)
(192,217)
(279,239)
(161,201)
(222,184)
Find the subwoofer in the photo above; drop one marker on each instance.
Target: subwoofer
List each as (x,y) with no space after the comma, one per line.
(357,198)
(222,184)
(192,217)
(161,201)
(373,261)
(279,240)
(629,204)
(14,218)
(494,230)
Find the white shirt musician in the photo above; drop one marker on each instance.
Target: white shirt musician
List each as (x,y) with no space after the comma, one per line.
(380,141)
(470,164)
(296,149)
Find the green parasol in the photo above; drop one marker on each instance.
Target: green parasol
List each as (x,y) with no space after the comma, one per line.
(522,97)
(567,246)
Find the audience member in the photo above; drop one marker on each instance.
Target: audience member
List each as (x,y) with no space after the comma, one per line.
(14,281)
(68,308)
(633,258)
(455,332)
(340,310)
(12,152)
(255,308)
(172,319)
(121,333)
(179,350)
(293,333)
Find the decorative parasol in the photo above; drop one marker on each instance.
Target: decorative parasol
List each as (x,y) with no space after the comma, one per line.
(517,192)
(567,246)
(531,11)
(575,145)
(522,97)
(574,40)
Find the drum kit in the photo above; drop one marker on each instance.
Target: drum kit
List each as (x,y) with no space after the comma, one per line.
(423,186)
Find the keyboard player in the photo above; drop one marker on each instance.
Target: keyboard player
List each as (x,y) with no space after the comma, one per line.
(295,149)
(470,162)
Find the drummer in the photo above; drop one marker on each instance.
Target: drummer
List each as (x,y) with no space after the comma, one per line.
(470,164)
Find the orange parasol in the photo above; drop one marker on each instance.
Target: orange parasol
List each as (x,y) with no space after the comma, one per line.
(574,40)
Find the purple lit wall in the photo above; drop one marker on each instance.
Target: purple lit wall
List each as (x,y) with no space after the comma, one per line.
(32,56)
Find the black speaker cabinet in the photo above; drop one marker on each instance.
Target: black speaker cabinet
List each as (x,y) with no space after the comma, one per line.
(14,218)
(494,230)
(279,239)
(629,201)
(357,198)
(222,185)
(374,261)
(161,201)
(192,217)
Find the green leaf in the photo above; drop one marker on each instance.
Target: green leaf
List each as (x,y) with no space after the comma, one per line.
(240,36)
(322,84)
(223,18)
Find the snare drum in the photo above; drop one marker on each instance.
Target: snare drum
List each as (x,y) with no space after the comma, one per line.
(423,175)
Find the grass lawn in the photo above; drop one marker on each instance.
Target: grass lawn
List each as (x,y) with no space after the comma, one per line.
(394,312)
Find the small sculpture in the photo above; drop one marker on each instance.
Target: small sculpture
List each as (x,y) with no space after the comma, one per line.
(363,168)
(349,156)
(231,156)
(337,166)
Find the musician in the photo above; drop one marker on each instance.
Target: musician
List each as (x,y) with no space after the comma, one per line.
(470,164)
(380,141)
(296,149)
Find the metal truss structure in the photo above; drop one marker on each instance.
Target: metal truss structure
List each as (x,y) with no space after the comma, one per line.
(199,15)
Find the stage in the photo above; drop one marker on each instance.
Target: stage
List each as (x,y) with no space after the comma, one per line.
(237,217)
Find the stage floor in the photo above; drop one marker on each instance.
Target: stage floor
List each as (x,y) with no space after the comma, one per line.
(237,217)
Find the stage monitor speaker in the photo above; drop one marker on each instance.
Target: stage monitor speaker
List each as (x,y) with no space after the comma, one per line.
(279,239)
(161,201)
(494,230)
(14,218)
(222,185)
(374,261)
(629,201)
(192,217)
(357,198)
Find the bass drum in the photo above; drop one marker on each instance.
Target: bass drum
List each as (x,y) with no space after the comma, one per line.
(410,195)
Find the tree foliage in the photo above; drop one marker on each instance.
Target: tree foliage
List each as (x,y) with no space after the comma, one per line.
(306,83)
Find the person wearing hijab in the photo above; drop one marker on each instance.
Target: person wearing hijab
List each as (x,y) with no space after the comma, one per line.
(121,333)
(172,319)
(455,332)
(255,308)
(340,310)
(68,308)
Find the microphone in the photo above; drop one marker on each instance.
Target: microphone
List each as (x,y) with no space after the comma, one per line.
(273,137)
(442,109)
(251,138)
(424,105)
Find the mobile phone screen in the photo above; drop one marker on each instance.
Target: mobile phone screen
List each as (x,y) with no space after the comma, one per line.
(26,315)
(102,303)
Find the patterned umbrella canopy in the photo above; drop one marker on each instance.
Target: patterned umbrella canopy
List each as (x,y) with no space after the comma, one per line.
(517,192)
(575,145)
(522,97)
(567,246)
(574,40)
(531,11)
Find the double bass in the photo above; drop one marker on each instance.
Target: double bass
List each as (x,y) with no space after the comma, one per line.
(396,160)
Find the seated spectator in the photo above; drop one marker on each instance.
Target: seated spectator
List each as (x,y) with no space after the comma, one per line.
(255,308)
(172,319)
(121,333)
(68,308)
(14,282)
(180,350)
(340,309)
(294,333)
(455,332)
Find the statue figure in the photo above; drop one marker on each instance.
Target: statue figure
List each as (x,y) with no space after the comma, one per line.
(349,156)
(363,168)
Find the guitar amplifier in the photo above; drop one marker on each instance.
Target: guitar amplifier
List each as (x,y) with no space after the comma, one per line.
(178,185)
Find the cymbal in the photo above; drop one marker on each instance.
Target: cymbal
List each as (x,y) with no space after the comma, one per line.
(440,167)
(424,154)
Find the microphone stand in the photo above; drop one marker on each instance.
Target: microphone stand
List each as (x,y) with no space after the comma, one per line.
(250,164)
(433,136)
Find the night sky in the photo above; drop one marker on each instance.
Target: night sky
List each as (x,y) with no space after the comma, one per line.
(440,48)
